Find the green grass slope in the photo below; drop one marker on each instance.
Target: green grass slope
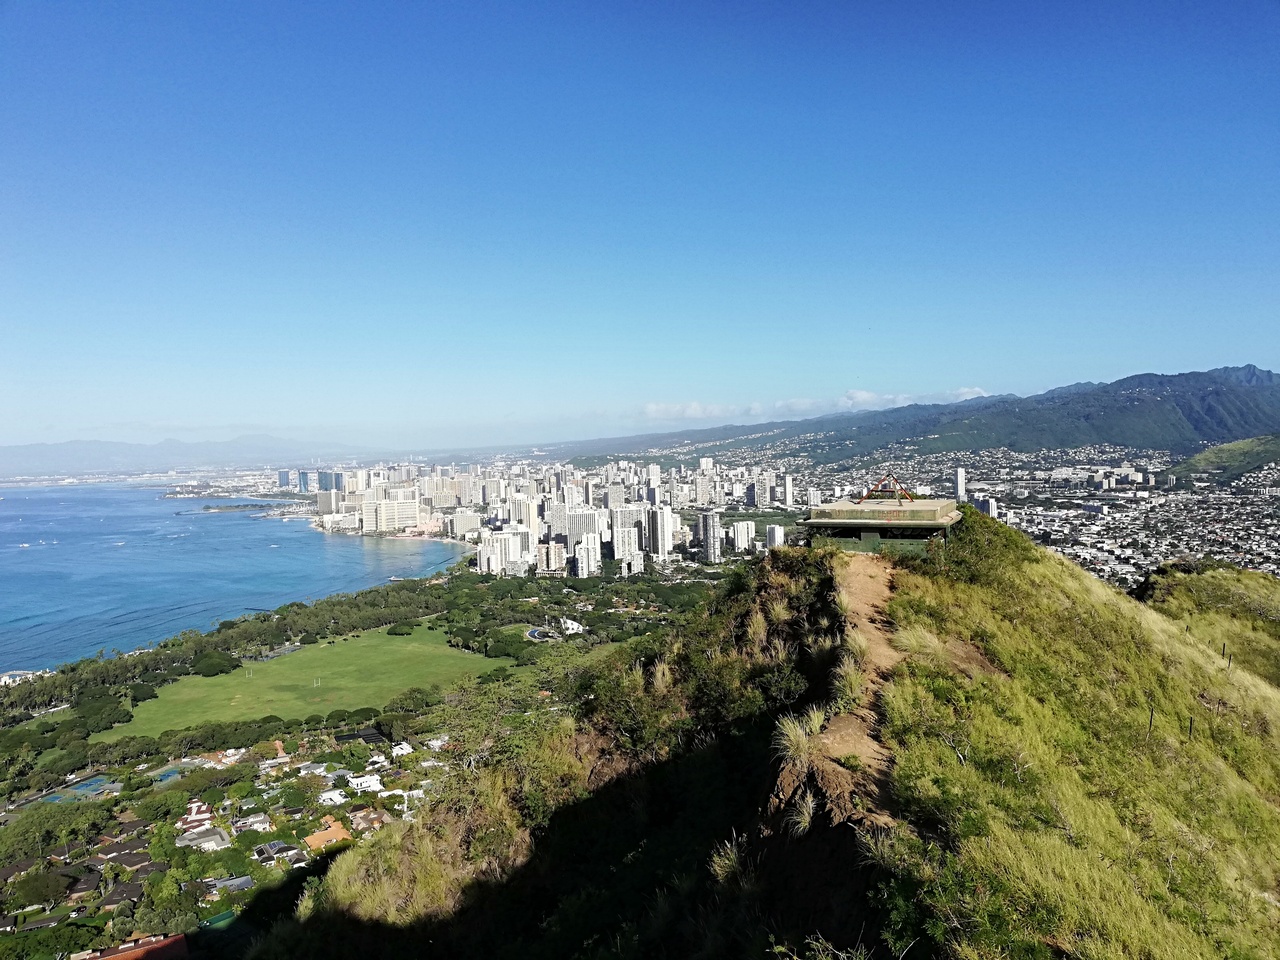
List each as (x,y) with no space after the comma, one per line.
(1230,461)
(1237,611)
(366,670)
(1110,792)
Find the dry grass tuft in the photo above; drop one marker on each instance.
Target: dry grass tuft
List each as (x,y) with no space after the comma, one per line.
(792,741)
(731,866)
(847,681)
(661,677)
(800,817)
(855,648)
(917,641)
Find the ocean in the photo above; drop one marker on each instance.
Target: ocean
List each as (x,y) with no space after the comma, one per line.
(117,567)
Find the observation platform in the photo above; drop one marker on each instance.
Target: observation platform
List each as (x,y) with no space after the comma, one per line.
(884,525)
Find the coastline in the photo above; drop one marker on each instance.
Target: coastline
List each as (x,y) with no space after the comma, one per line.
(430,572)
(113,568)
(465,546)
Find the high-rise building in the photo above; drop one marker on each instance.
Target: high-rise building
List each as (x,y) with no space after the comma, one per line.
(814,497)
(525,511)
(556,516)
(632,515)
(324,480)
(551,557)
(626,543)
(752,496)
(742,533)
(960,491)
(710,535)
(661,524)
(579,522)
(328,501)
(775,536)
(502,552)
(304,482)
(461,523)
(283,478)
(586,556)
(788,490)
(388,516)
(706,464)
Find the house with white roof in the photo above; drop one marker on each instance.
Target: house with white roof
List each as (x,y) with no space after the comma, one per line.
(365,782)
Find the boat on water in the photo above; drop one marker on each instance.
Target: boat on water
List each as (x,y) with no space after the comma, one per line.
(24,544)
(395,579)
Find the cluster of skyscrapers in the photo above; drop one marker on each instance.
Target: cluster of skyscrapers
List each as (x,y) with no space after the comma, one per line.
(559,520)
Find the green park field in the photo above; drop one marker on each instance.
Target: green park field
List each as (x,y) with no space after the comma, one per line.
(365,670)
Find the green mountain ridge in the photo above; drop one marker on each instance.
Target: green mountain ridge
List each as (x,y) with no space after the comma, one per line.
(978,754)
(1179,412)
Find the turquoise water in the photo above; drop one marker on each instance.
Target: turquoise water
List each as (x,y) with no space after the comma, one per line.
(119,567)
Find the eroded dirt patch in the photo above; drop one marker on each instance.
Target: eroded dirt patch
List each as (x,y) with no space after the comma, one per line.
(852,769)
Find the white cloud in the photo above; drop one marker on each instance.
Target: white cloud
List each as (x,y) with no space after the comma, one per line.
(696,411)
(867,400)
(849,401)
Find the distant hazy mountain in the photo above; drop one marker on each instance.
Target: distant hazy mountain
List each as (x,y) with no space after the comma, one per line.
(79,457)
(1178,412)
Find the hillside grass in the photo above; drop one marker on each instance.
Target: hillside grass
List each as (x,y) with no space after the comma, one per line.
(1233,612)
(365,670)
(1044,819)
(1232,460)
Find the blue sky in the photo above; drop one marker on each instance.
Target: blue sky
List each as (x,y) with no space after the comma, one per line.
(447,223)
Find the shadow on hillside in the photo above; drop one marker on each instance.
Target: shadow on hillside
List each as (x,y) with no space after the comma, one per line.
(625,872)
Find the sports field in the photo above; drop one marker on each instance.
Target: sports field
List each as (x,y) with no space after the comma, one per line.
(361,671)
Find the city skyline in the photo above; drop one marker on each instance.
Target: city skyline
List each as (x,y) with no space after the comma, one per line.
(238,219)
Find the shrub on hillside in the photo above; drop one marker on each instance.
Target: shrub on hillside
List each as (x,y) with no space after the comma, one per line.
(978,550)
(213,662)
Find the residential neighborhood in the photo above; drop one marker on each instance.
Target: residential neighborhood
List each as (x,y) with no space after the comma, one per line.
(217,846)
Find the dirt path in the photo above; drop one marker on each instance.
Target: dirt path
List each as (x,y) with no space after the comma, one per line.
(860,795)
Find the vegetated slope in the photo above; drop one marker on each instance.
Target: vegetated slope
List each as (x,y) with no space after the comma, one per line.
(1111,793)
(1020,763)
(1234,611)
(1230,461)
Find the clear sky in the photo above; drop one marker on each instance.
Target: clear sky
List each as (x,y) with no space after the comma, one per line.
(443,223)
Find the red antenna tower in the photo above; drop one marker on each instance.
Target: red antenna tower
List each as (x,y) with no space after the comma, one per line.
(898,489)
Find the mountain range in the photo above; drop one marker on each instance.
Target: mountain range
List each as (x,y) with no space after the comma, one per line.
(1181,413)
